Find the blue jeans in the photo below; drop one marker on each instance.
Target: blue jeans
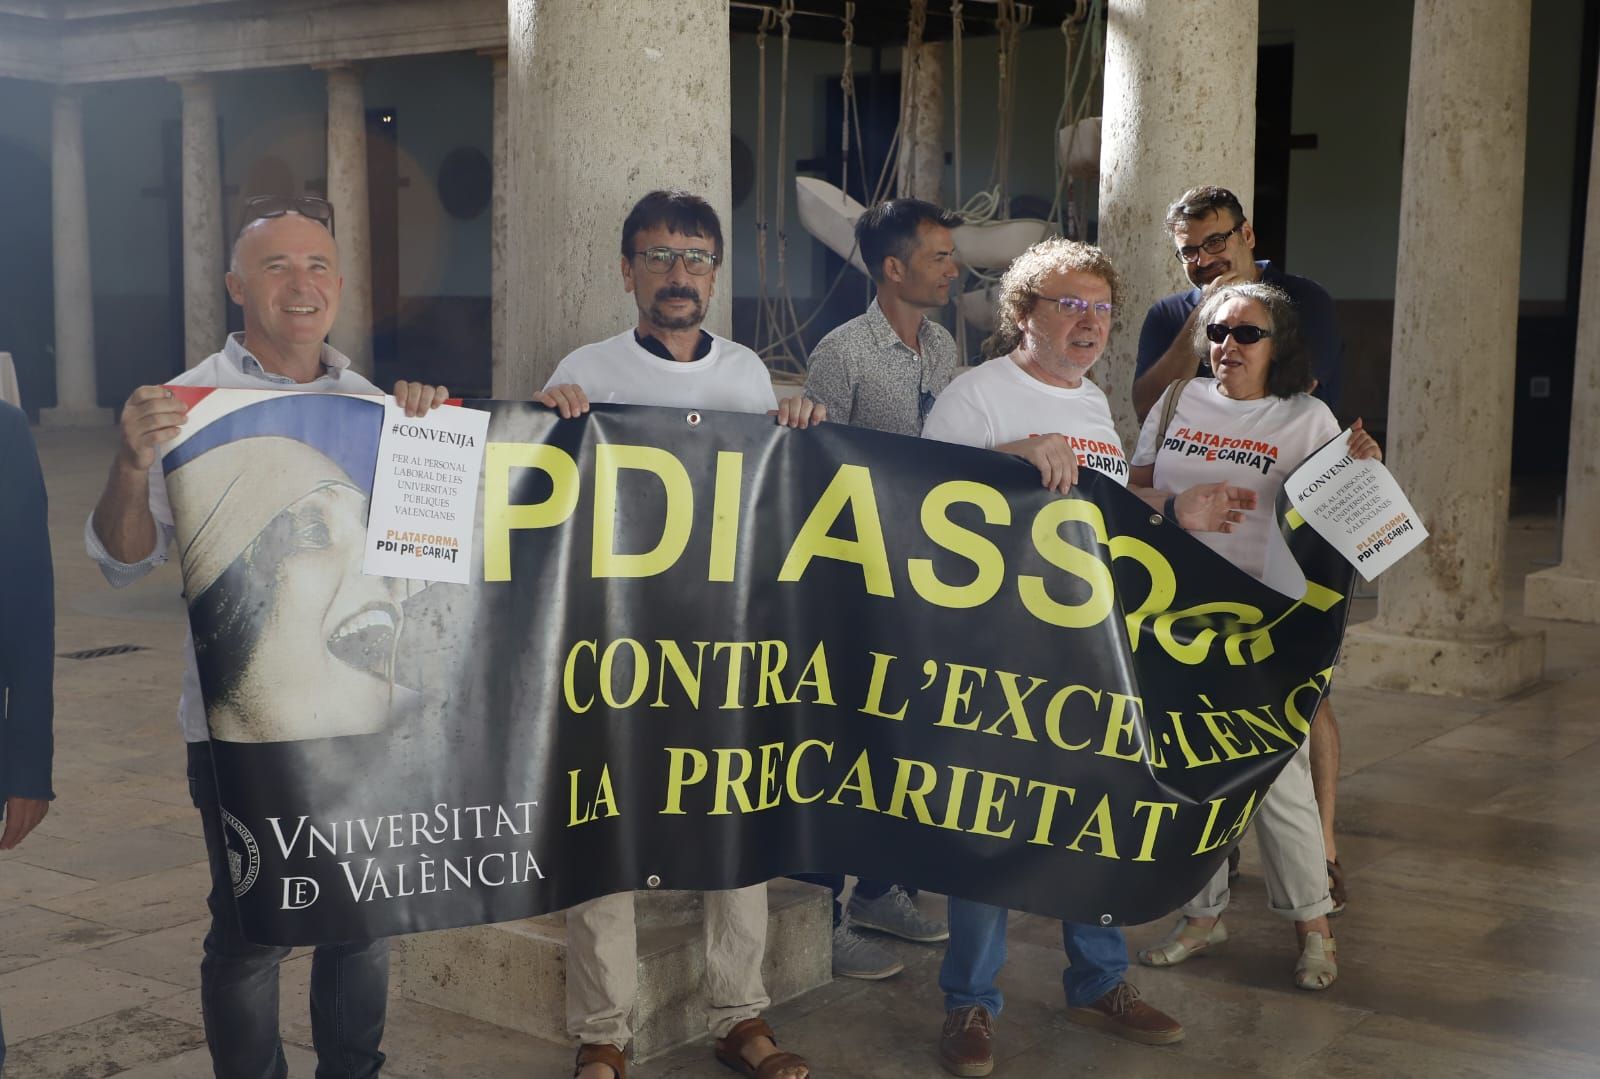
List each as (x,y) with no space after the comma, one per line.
(977,951)
(239,980)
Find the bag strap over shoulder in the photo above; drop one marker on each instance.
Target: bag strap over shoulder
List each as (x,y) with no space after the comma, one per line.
(1169,408)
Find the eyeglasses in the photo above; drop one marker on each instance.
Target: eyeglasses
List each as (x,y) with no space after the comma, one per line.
(660,259)
(261,207)
(1073,307)
(1244,333)
(1211,245)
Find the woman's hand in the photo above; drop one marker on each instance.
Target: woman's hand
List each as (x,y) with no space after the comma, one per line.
(1363,447)
(1213,507)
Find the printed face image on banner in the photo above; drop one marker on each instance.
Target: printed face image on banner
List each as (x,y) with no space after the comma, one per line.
(292,640)
(700,650)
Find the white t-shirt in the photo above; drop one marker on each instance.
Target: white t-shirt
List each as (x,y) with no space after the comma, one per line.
(1254,444)
(998,402)
(617,370)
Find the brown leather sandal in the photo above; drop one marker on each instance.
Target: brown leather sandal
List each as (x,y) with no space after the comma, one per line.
(1336,889)
(730,1051)
(603,1053)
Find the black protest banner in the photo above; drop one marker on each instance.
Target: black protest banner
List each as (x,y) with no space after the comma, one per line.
(701,651)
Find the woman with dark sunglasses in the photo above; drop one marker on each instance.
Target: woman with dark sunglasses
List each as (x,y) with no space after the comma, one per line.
(1252,424)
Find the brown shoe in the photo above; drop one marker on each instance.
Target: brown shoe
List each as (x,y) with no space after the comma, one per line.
(1122,1013)
(966,1043)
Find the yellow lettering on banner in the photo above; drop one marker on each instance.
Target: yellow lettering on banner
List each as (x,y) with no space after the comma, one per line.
(736,653)
(1195,650)
(874,705)
(685,768)
(774,657)
(1163,583)
(1317,684)
(641,673)
(725,516)
(1158,811)
(1209,842)
(1269,728)
(792,776)
(1085,565)
(1098,826)
(952,804)
(1016,710)
(1234,747)
(500,517)
(1259,640)
(1047,807)
(569,682)
(730,784)
(851,486)
(768,794)
(917,795)
(1122,725)
(858,779)
(985,557)
(1191,759)
(992,805)
(958,693)
(603,805)
(609,460)
(816,676)
(688,680)
(1052,715)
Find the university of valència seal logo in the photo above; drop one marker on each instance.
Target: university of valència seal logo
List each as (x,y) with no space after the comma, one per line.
(244,857)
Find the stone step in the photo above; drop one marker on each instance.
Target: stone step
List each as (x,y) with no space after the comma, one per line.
(513,974)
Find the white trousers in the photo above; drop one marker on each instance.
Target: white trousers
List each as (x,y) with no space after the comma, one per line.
(603,964)
(1293,858)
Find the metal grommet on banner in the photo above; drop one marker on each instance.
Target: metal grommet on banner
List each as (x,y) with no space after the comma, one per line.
(1155,518)
(655,882)
(693,418)
(1105,919)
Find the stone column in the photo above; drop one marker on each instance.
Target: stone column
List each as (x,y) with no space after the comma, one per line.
(1441,625)
(1169,106)
(1572,590)
(606,100)
(204,314)
(347,190)
(77,403)
(497,235)
(921,164)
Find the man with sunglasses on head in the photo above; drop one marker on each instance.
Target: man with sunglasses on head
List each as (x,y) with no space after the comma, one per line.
(671,247)
(284,274)
(1214,242)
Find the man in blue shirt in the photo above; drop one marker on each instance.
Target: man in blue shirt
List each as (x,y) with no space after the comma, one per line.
(27,638)
(1214,241)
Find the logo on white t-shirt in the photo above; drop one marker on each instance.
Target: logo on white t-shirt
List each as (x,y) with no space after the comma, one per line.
(1250,452)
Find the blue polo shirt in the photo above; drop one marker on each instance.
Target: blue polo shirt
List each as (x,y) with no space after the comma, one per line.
(1319,328)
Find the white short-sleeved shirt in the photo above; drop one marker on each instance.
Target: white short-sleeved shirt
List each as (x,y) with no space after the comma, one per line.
(730,378)
(998,402)
(1254,444)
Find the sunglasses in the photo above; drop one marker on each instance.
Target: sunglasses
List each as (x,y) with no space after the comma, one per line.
(1244,333)
(262,207)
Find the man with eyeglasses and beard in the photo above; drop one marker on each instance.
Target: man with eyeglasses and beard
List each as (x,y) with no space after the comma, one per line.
(671,246)
(1214,241)
(284,274)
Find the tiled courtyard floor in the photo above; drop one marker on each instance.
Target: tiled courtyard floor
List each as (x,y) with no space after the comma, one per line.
(1471,832)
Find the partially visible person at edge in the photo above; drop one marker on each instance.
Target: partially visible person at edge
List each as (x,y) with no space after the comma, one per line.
(284,274)
(1031,399)
(1214,241)
(1258,395)
(671,247)
(27,639)
(883,370)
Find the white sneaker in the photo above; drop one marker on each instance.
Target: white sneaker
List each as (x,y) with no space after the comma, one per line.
(895,913)
(854,956)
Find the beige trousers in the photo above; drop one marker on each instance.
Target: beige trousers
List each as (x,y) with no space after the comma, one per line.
(603,964)
(1293,857)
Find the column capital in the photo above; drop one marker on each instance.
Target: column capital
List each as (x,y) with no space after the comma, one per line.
(332,67)
(192,80)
